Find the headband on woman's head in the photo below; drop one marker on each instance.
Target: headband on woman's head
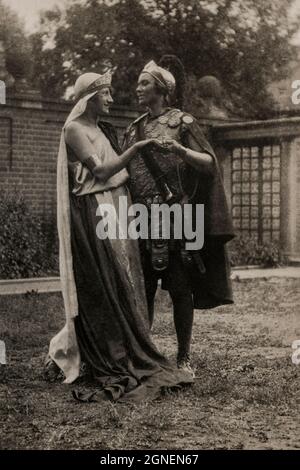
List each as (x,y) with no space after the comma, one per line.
(90,82)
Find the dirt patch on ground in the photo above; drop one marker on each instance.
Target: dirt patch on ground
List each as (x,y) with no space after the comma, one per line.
(246,395)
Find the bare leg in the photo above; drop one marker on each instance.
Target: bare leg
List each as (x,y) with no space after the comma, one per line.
(150,294)
(183,310)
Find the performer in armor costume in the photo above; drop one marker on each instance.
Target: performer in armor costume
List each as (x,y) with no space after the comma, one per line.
(184,171)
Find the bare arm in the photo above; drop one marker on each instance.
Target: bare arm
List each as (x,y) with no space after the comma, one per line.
(199,156)
(85,151)
(201,161)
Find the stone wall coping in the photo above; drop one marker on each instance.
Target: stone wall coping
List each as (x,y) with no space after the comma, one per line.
(270,128)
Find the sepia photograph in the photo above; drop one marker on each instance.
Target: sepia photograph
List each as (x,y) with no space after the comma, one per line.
(149,228)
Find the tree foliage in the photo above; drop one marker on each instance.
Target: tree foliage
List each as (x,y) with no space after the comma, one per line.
(244,43)
(15,42)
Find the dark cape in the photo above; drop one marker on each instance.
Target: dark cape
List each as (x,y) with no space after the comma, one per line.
(214,287)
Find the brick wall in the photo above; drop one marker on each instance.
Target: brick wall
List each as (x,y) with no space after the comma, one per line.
(29,140)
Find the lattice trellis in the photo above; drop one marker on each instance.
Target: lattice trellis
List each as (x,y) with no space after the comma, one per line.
(256,191)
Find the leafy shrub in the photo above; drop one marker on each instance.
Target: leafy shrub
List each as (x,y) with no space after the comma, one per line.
(248,251)
(28,246)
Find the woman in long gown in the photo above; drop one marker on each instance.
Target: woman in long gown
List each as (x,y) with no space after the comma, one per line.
(107,323)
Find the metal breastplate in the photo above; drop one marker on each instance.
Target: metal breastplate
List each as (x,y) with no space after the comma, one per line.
(142,183)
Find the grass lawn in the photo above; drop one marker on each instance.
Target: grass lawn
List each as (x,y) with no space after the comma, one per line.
(246,396)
